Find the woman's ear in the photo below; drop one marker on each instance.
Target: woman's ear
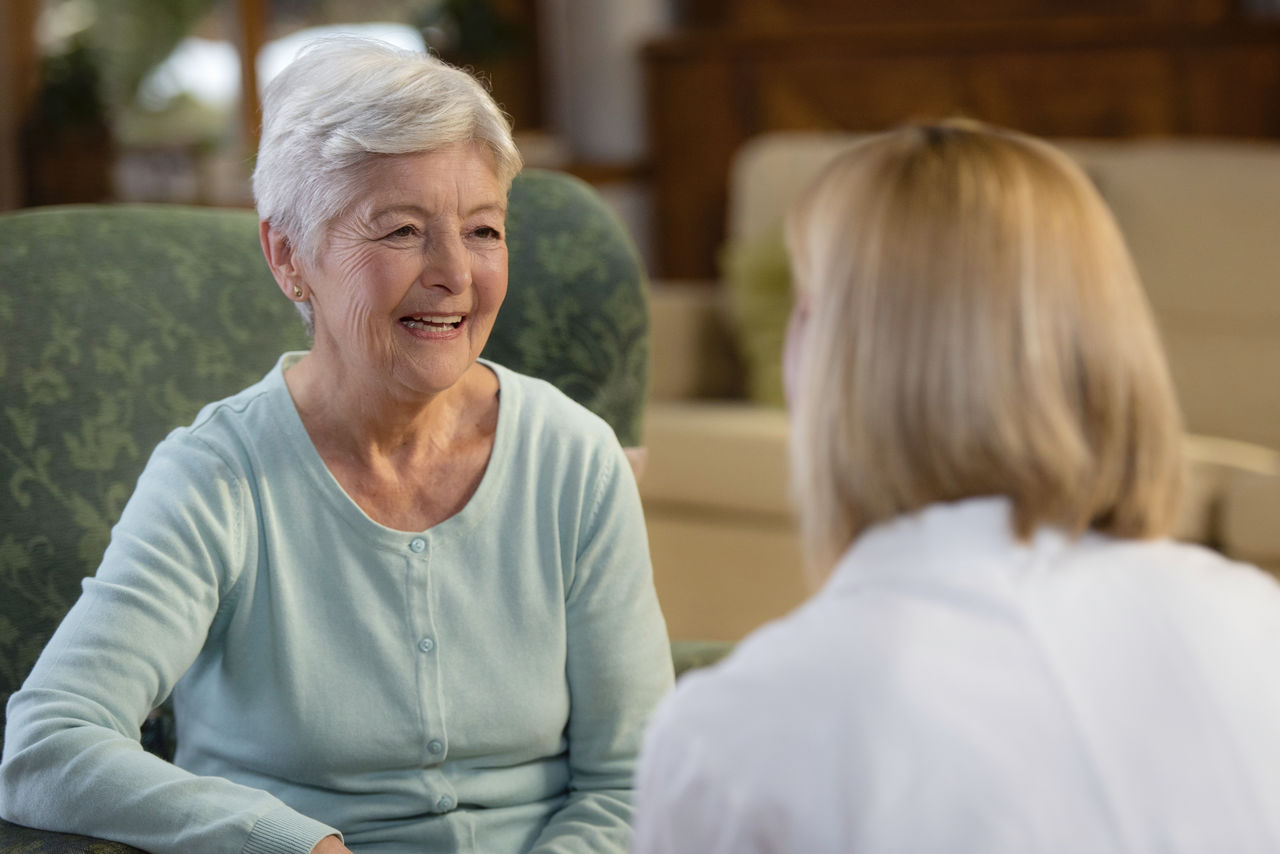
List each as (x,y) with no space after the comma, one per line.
(793,347)
(283,261)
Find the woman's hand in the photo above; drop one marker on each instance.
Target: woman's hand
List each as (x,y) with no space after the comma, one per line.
(330,845)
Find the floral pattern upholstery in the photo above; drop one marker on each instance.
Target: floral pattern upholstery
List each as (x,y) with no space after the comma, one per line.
(117,323)
(15,839)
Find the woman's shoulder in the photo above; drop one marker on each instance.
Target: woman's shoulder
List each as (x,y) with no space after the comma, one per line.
(537,401)
(268,391)
(783,671)
(1188,579)
(1159,564)
(228,427)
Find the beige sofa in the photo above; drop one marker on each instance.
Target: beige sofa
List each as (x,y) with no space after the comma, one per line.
(1203,222)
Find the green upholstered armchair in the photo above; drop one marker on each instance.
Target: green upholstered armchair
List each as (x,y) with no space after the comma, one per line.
(117,323)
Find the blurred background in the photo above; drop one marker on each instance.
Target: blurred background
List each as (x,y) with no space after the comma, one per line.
(156,100)
(697,120)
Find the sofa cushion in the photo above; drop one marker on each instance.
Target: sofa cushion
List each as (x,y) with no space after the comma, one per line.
(1200,218)
(1249,530)
(1218,473)
(725,456)
(692,353)
(769,170)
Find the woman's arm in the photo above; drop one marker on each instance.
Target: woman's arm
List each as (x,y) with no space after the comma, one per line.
(619,667)
(72,761)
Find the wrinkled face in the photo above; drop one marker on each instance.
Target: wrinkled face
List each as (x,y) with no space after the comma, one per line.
(409,280)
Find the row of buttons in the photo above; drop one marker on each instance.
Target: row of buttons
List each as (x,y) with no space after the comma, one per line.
(435,747)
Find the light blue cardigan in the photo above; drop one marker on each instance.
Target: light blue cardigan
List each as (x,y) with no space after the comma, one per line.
(479,686)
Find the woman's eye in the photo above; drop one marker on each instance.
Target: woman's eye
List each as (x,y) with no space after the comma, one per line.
(403,231)
(488,233)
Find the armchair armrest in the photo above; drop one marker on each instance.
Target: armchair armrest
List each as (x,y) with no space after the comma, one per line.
(689,655)
(16,839)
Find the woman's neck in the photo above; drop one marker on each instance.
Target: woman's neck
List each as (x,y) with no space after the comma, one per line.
(347,417)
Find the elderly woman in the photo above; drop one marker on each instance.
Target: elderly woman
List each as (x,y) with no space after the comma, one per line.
(1006,655)
(401,595)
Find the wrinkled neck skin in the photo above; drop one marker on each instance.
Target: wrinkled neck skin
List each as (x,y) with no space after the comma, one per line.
(345,418)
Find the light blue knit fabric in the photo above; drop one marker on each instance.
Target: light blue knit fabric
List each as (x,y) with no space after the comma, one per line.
(479,686)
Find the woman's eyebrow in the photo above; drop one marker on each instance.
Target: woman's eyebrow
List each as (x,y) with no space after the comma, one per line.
(488,207)
(391,210)
(410,208)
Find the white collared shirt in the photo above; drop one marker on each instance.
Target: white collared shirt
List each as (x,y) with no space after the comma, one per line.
(952,690)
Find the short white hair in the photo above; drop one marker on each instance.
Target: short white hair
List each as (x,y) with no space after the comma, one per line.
(345,100)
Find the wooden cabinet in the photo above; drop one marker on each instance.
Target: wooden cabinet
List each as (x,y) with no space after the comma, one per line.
(1186,68)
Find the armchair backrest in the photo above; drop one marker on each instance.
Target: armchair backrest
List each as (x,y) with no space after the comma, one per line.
(117,323)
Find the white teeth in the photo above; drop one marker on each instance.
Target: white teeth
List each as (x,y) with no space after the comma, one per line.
(434,323)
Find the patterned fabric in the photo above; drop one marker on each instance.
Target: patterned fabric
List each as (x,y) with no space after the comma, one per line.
(15,839)
(117,323)
(577,311)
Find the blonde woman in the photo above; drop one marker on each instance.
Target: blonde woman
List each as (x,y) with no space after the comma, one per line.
(1006,654)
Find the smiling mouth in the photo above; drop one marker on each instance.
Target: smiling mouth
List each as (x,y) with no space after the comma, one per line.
(437,323)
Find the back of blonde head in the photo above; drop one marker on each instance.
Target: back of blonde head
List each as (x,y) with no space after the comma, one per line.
(976,328)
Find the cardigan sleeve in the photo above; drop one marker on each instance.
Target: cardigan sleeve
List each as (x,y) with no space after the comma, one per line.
(72,760)
(618,668)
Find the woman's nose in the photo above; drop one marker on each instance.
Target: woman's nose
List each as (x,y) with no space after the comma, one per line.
(448,265)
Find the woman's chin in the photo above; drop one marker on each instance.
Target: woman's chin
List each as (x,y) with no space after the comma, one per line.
(436,374)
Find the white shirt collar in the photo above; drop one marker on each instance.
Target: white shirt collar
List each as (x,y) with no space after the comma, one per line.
(939,541)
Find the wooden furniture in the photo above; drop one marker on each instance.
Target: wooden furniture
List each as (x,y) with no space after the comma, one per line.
(1131,68)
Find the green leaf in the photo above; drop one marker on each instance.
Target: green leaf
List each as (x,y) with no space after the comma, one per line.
(24,425)
(85,514)
(91,546)
(45,384)
(17,485)
(14,559)
(114,498)
(102,438)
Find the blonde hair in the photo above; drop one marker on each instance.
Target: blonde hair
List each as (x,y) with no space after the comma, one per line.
(976,327)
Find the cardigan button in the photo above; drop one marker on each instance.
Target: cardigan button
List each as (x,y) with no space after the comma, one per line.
(417,544)
(445,803)
(426,644)
(435,746)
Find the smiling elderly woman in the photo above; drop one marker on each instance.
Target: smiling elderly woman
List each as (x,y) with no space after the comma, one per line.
(398,593)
